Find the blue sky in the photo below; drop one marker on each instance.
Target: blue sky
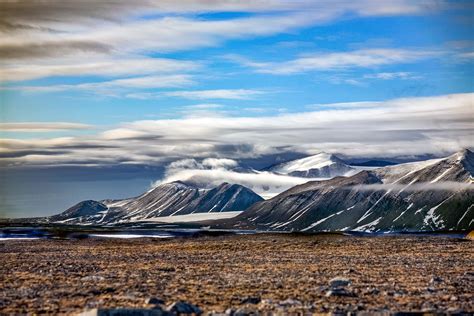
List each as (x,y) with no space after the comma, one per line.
(115,84)
(445,31)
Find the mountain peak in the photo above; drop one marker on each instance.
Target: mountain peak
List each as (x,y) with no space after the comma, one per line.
(311,162)
(179,184)
(321,165)
(228,185)
(323,155)
(465,157)
(464,153)
(84,208)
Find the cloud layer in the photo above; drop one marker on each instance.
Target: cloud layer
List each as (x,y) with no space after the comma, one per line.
(364,58)
(438,125)
(50,38)
(41,126)
(211,172)
(116,48)
(417,187)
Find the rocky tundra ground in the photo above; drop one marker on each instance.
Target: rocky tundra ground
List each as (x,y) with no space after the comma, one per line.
(239,274)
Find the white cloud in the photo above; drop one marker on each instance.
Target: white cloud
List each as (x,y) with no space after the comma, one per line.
(350,81)
(364,58)
(265,183)
(218,94)
(207,163)
(34,35)
(203,109)
(393,75)
(47,12)
(144,95)
(145,82)
(41,126)
(344,105)
(120,43)
(215,163)
(410,126)
(85,26)
(466,55)
(86,65)
(232,94)
(211,172)
(184,164)
(204,106)
(268,184)
(116,87)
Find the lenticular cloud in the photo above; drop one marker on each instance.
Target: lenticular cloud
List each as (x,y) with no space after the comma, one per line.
(213,171)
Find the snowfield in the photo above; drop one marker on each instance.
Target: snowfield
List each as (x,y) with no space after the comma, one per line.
(312,162)
(196,217)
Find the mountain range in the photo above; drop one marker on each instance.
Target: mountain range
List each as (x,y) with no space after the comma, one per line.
(429,195)
(168,199)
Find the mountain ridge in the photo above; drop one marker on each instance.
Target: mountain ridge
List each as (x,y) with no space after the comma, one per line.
(435,194)
(167,199)
(368,206)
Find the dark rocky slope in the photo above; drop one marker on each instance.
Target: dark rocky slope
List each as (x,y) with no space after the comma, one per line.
(176,198)
(423,196)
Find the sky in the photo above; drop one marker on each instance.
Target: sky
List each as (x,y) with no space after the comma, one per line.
(98,98)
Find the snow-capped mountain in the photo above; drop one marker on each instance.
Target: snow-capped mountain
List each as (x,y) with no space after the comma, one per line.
(169,199)
(321,165)
(436,194)
(431,195)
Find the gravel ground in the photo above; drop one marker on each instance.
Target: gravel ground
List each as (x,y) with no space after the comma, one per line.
(264,272)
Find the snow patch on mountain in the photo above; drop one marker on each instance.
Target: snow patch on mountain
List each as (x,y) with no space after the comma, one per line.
(307,163)
(322,165)
(194,217)
(166,200)
(429,195)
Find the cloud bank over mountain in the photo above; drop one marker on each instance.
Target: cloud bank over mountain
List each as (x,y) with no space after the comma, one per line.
(400,127)
(211,172)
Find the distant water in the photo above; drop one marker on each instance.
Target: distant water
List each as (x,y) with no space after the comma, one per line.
(130,236)
(33,233)
(17,238)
